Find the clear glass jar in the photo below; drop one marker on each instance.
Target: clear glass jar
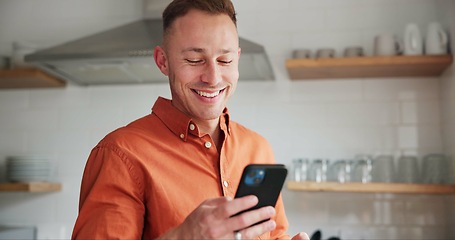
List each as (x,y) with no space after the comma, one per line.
(300,169)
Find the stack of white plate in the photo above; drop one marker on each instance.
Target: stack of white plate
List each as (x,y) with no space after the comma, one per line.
(28,169)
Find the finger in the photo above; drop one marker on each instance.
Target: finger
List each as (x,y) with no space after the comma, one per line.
(301,236)
(217,201)
(249,218)
(237,235)
(259,229)
(229,208)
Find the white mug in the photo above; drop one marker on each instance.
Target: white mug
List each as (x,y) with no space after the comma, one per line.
(387,45)
(436,41)
(20,49)
(413,43)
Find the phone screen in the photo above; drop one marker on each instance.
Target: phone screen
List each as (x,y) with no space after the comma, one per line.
(263,180)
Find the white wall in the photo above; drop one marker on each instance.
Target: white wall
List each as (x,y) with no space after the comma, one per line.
(325,118)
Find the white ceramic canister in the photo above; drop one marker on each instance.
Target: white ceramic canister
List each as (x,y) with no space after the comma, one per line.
(413,42)
(436,40)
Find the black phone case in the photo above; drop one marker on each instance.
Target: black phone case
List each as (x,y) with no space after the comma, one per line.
(269,189)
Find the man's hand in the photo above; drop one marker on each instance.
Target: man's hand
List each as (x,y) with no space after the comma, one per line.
(212,220)
(301,236)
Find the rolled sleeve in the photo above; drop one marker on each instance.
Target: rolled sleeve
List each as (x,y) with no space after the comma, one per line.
(111,198)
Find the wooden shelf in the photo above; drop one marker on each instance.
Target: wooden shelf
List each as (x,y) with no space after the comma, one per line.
(30,187)
(366,67)
(28,78)
(371,187)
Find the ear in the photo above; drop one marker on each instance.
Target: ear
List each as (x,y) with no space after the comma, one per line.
(161,60)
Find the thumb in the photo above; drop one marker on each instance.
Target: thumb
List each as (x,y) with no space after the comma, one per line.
(301,236)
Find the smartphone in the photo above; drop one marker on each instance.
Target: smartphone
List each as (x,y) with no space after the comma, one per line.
(265,181)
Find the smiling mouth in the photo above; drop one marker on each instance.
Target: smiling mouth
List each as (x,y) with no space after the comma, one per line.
(209,94)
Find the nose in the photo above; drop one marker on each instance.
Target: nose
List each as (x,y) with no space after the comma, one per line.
(212,73)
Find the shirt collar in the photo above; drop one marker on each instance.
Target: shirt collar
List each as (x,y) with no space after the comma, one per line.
(179,123)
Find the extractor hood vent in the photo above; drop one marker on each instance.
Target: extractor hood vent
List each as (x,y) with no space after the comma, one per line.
(124,55)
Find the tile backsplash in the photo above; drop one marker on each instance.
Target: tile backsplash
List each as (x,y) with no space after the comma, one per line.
(316,119)
(370,216)
(67,123)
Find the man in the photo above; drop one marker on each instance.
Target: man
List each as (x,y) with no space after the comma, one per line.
(173,174)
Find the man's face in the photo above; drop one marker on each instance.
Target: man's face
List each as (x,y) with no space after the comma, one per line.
(202,53)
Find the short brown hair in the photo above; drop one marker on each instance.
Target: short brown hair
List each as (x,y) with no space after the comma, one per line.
(178,8)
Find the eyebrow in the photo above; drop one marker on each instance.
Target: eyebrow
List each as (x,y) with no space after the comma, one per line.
(202,50)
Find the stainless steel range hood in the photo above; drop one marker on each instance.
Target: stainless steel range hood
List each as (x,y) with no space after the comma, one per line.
(124,55)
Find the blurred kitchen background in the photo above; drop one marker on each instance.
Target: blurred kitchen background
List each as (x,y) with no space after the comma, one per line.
(330,118)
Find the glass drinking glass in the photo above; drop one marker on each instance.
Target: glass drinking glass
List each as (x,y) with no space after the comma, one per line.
(340,171)
(408,169)
(318,170)
(435,169)
(300,169)
(362,166)
(383,169)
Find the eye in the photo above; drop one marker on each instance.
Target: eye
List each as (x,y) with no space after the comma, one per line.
(225,62)
(193,61)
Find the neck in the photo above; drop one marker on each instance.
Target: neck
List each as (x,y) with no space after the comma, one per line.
(211,127)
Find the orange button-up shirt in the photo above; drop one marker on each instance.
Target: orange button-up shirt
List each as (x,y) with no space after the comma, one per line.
(143,179)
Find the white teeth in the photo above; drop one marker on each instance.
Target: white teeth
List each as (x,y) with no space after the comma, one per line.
(206,94)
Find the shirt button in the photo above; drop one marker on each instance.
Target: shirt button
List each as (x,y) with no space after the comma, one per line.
(192,127)
(226,184)
(182,136)
(208,144)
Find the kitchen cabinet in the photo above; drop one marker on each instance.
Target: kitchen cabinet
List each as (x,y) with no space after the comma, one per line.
(28,78)
(366,67)
(358,187)
(30,187)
